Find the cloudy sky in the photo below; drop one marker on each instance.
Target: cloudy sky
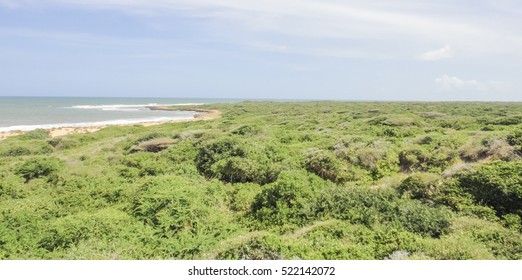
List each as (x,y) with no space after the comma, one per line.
(302,49)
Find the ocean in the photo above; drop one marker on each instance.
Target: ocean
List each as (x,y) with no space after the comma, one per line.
(29,113)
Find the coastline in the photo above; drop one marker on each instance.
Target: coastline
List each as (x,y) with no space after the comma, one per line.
(200,115)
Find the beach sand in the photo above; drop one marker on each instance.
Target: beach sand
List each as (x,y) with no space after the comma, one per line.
(61,131)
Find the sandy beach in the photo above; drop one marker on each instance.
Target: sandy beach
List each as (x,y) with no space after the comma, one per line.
(61,131)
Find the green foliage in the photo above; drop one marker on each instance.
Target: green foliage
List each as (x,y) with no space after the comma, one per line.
(245,130)
(414,158)
(427,221)
(321,241)
(358,205)
(512,221)
(9,186)
(515,139)
(268,180)
(26,148)
(143,164)
(229,160)
(325,165)
(510,120)
(38,167)
(268,247)
(289,200)
(370,207)
(211,153)
(419,186)
(39,134)
(243,195)
(498,185)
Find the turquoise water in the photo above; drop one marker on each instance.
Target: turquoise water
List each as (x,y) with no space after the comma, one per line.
(28,113)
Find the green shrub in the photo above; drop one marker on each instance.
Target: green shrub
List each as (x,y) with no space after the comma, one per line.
(512,221)
(242,170)
(25,148)
(325,165)
(450,194)
(454,247)
(289,200)
(66,232)
(243,195)
(356,204)
(498,185)
(108,226)
(65,142)
(38,167)
(246,130)
(339,240)
(418,158)
(10,186)
(503,243)
(414,158)
(419,186)
(230,161)
(372,207)
(479,211)
(268,247)
(510,120)
(16,151)
(369,156)
(35,134)
(150,136)
(146,165)
(213,152)
(419,218)
(515,139)
(172,205)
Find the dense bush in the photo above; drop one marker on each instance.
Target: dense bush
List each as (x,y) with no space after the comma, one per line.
(229,160)
(289,200)
(414,158)
(35,134)
(325,165)
(10,186)
(211,153)
(356,204)
(38,167)
(377,157)
(427,221)
(370,207)
(144,164)
(515,139)
(419,186)
(26,148)
(498,185)
(258,248)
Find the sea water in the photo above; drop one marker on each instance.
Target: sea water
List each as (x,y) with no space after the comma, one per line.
(29,113)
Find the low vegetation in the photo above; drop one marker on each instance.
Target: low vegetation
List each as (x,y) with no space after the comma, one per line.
(267,180)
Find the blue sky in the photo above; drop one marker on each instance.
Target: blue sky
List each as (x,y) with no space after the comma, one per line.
(289,49)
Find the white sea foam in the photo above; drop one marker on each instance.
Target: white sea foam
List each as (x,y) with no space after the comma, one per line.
(88,124)
(121,107)
(117,107)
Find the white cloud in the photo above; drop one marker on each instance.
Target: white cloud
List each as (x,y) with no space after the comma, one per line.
(456,84)
(402,26)
(442,53)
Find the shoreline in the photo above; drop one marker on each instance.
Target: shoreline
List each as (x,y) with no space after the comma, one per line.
(200,115)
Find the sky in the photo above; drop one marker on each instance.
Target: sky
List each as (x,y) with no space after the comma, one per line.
(402,50)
